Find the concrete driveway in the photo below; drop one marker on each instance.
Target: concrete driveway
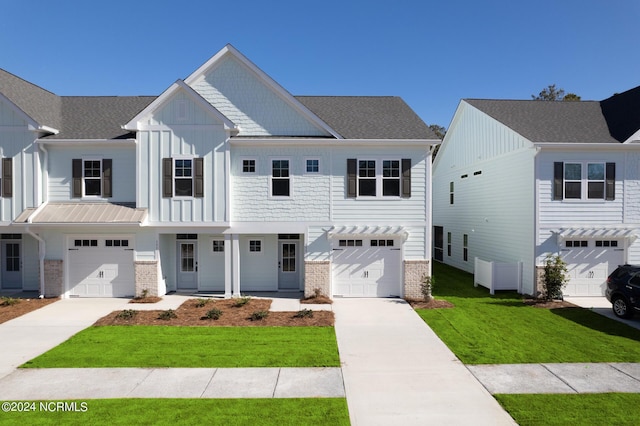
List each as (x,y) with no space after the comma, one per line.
(602,306)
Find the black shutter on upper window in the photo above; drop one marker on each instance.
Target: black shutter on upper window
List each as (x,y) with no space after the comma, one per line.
(558,175)
(406,178)
(107,188)
(167,177)
(610,186)
(7,177)
(76,177)
(198,182)
(352,180)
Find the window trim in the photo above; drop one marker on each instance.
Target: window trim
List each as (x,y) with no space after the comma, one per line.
(255,252)
(465,247)
(559,181)
(174,177)
(289,178)
(213,244)
(99,178)
(255,165)
(379,177)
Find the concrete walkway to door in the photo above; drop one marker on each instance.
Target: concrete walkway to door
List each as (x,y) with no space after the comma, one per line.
(397,371)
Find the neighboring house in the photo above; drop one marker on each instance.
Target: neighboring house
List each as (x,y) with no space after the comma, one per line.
(515,181)
(225,183)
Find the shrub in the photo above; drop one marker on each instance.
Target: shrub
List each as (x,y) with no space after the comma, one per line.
(167,315)
(9,301)
(241,301)
(305,313)
(555,277)
(259,315)
(426,287)
(200,303)
(127,314)
(213,314)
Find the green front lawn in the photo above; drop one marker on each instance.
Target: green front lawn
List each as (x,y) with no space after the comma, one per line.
(501,329)
(567,409)
(170,346)
(277,412)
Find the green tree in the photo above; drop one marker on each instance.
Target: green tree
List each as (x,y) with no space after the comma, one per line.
(438,130)
(553,93)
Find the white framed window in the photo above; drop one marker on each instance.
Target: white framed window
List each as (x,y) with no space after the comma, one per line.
(255,245)
(465,247)
(218,246)
(248,165)
(183,177)
(451,197)
(449,244)
(367,180)
(280,177)
(312,166)
(92,177)
(573,180)
(584,180)
(379,177)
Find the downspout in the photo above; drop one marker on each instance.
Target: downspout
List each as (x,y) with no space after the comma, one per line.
(41,243)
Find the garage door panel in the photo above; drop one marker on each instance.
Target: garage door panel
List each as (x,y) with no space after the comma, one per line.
(589,267)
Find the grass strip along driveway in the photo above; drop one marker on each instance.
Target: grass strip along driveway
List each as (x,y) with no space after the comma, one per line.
(197,347)
(501,329)
(277,412)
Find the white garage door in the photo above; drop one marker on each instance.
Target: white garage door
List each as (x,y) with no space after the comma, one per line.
(366,267)
(101,267)
(589,263)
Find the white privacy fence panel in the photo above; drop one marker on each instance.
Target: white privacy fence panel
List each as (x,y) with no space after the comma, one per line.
(498,275)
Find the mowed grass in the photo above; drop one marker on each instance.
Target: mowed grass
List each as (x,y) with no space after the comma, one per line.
(568,409)
(501,329)
(228,412)
(169,346)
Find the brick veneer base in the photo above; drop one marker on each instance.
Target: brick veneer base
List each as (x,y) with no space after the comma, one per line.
(317,275)
(53,278)
(414,271)
(146,277)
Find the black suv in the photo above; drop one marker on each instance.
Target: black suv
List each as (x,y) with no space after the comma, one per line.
(623,290)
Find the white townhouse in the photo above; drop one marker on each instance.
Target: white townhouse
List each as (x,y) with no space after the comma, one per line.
(223,184)
(515,181)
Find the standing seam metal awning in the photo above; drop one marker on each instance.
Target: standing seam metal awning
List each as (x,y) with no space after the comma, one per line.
(84,213)
(597,233)
(368,231)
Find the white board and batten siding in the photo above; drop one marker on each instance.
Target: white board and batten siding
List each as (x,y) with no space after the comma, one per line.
(492,170)
(180,129)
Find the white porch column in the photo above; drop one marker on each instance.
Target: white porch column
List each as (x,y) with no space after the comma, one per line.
(235,264)
(228,265)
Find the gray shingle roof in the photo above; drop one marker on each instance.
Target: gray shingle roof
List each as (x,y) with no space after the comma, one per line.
(368,117)
(99,117)
(612,120)
(39,104)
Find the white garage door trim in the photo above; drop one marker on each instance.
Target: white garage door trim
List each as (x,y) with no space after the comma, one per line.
(100,266)
(589,263)
(366,267)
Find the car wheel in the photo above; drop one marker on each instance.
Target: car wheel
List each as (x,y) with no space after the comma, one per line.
(621,307)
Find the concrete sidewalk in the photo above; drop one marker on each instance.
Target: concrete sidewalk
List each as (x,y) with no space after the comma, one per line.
(92,383)
(397,371)
(559,378)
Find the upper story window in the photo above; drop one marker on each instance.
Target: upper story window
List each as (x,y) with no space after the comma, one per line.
(280,178)
(182,177)
(6,179)
(91,177)
(584,181)
(248,165)
(451,198)
(378,178)
(312,165)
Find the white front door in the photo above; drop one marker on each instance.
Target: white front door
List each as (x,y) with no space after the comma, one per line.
(187,265)
(11,264)
(588,266)
(288,264)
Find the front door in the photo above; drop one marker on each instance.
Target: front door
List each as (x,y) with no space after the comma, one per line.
(288,266)
(11,265)
(187,266)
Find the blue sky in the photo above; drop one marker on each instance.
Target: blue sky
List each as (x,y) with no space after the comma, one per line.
(431,53)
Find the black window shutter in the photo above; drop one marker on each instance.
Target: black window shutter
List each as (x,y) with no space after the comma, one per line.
(7,177)
(76,174)
(167,177)
(610,187)
(352,181)
(107,165)
(558,180)
(406,178)
(198,183)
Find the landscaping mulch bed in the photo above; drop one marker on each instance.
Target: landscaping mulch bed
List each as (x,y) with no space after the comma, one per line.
(191,314)
(317,300)
(24,306)
(147,299)
(548,304)
(432,304)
